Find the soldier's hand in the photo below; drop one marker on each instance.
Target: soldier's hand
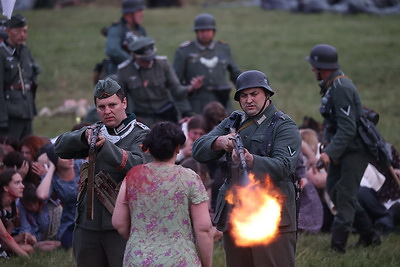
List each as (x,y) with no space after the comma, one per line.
(224,142)
(248,157)
(100,141)
(196,83)
(325,159)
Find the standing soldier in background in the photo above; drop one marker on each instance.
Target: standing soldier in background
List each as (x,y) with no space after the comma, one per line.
(18,74)
(95,241)
(209,59)
(121,33)
(344,153)
(151,85)
(275,156)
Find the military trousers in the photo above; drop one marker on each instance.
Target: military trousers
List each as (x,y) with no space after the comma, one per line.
(343,182)
(18,128)
(98,248)
(281,252)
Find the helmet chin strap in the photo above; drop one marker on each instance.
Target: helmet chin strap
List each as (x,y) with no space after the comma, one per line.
(319,75)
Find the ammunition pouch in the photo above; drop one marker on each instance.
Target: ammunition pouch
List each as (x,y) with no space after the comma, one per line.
(105,188)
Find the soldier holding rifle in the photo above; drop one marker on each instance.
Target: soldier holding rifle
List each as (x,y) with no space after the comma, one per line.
(116,150)
(275,156)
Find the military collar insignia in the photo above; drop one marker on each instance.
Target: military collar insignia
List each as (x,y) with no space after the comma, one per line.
(346,110)
(292,151)
(261,119)
(202,47)
(139,68)
(121,131)
(10,50)
(124,124)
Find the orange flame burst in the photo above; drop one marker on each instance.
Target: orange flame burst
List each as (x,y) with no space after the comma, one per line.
(256,212)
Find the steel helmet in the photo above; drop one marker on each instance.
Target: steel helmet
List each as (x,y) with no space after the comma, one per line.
(323,56)
(252,79)
(131,6)
(143,48)
(204,22)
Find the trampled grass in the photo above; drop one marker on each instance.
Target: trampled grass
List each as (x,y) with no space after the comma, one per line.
(312,250)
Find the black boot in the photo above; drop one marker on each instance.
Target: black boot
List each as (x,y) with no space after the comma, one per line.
(339,240)
(363,225)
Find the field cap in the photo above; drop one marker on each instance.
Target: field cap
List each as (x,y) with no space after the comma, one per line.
(16,21)
(130,6)
(106,88)
(143,48)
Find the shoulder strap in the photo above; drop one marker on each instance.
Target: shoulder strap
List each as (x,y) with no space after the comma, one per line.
(334,79)
(271,126)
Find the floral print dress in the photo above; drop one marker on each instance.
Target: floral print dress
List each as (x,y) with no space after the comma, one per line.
(159,199)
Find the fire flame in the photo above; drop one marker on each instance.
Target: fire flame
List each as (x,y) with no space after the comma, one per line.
(256,212)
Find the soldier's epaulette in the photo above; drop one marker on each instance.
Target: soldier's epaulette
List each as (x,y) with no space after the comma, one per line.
(141,125)
(124,64)
(185,43)
(162,57)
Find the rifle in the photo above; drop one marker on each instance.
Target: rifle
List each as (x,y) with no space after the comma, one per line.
(91,168)
(239,147)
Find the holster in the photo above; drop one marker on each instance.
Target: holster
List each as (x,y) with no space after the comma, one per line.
(105,188)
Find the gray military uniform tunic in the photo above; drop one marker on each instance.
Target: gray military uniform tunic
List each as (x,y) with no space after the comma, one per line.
(120,152)
(280,166)
(118,36)
(213,62)
(149,90)
(17,101)
(341,108)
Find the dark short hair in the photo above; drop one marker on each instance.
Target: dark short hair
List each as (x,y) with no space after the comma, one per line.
(163,139)
(13,159)
(197,122)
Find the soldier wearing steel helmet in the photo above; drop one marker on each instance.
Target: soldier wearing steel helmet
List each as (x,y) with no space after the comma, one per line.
(151,85)
(279,160)
(344,152)
(209,59)
(121,33)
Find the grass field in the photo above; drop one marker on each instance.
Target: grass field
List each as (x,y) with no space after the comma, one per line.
(67,44)
(312,251)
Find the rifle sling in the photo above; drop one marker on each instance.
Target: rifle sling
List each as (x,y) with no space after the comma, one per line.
(90,186)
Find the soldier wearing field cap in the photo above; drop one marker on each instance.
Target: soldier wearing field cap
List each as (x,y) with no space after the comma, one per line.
(121,33)
(212,60)
(344,153)
(274,155)
(151,85)
(95,241)
(18,77)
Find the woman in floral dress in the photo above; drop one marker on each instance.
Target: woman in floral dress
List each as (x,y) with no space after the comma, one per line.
(162,207)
